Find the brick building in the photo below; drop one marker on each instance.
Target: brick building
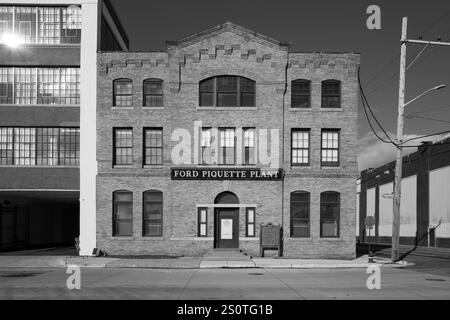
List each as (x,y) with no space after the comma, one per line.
(424,203)
(223,89)
(48,55)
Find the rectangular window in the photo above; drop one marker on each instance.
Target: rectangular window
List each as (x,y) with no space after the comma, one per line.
(40,25)
(123,146)
(300,147)
(49,25)
(69,147)
(153,146)
(206,146)
(331,94)
(206,89)
(122,214)
(300,204)
(71,25)
(250,222)
(153,93)
(249,146)
(226,146)
(25,24)
(40,146)
(25,86)
(28,86)
(227,91)
(123,93)
(25,146)
(47,146)
(6,23)
(6,85)
(330,148)
(301,94)
(202,222)
(153,214)
(6,146)
(329,214)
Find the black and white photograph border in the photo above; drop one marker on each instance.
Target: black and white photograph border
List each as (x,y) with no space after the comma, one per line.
(278,150)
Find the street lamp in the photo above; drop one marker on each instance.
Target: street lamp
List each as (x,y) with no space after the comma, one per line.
(441,86)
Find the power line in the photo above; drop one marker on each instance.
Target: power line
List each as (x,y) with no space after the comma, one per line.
(429,110)
(427,135)
(426,118)
(366,105)
(435,22)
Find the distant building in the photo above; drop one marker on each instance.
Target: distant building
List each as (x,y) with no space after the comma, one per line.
(48,57)
(237,83)
(425,198)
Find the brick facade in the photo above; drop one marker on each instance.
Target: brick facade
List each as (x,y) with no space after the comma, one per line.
(227,50)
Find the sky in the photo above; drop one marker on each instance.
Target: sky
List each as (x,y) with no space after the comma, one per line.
(328,25)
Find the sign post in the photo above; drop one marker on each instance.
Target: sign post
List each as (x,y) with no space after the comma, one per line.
(370,223)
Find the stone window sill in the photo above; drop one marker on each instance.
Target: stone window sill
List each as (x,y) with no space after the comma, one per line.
(331,109)
(152,108)
(122,108)
(226,108)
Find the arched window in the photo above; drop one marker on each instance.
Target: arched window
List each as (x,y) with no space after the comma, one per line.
(227,91)
(329,214)
(152,213)
(123,93)
(226,197)
(331,94)
(122,213)
(153,93)
(300,204)
(301,93)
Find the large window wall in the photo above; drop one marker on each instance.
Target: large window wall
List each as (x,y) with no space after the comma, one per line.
(40,25)
(33,85)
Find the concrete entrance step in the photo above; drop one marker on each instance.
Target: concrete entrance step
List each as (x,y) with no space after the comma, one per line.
(226,259)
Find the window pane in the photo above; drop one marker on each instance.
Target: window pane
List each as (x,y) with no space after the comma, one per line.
(300,95)
(331,94)
(329,229)
(71,24)
(299,228)
(251,230)
(123,228)
(49,25)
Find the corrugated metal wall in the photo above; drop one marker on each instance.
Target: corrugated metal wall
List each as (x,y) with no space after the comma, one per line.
(440,201)
(385,210)
(408,207)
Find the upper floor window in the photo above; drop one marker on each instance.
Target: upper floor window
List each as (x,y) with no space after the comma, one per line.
(249,146)
(206,140)
(39,146)
(226,146)
(330,148)
(23,85)
(123,93)
(329,214)
(123,146)
(301,93)
(227,91)
(331,94)
(300,147)
(153,93)
(40,25)
(153,146)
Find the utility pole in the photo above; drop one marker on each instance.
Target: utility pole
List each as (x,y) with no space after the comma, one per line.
(395,254)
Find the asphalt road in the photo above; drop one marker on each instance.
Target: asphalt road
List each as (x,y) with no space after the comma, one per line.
(229,284)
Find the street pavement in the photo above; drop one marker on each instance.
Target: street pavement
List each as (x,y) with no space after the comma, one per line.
(228,284)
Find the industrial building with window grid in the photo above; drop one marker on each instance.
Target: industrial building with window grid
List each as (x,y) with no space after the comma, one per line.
(199,145)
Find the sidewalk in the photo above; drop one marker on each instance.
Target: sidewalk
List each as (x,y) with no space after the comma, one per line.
(189,263)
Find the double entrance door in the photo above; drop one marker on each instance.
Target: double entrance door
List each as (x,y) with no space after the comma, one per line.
(226,228)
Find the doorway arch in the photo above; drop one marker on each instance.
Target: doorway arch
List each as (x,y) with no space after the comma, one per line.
(226,197)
